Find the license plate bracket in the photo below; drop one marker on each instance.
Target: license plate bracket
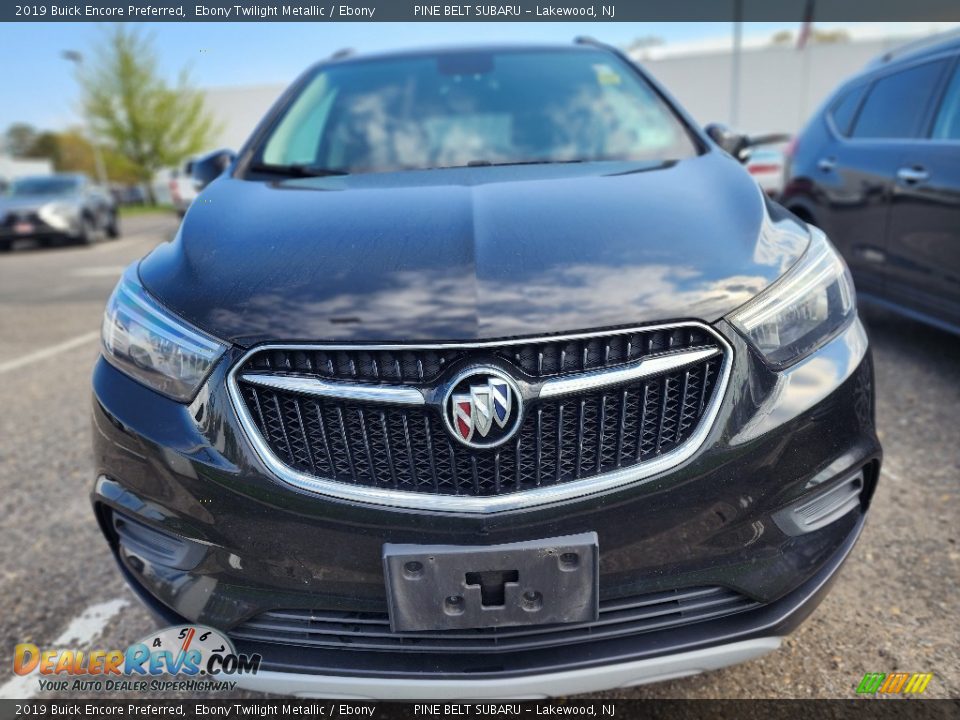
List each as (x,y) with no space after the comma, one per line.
(534,582)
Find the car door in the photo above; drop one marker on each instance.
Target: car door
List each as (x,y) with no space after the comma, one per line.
(851,177)
(923,238)
(862,167)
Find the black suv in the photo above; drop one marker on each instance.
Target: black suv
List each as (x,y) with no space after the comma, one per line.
(484,373)
(878,168)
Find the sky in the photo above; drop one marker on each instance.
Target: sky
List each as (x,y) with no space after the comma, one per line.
(41,89)
(39,86)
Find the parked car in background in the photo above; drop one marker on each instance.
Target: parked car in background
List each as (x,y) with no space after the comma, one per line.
(56,208)
(183,190)
(767,167)
(878,168)
(128,194)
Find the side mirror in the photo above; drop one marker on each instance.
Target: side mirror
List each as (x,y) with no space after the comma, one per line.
(733,143)
(208,168)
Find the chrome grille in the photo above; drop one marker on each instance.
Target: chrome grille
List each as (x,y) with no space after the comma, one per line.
(409,449)
(357,442)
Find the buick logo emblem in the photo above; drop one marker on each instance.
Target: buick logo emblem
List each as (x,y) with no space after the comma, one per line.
(482,407)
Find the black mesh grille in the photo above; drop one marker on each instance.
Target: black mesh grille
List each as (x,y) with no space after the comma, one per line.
(371,631)
(540,359)
(548,358)
(394,366)
(408,448)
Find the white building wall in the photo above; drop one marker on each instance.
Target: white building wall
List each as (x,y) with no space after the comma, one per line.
(237,110)
(11,168)
(780,86)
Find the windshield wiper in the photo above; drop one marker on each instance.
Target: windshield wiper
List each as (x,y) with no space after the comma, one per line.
(297,170)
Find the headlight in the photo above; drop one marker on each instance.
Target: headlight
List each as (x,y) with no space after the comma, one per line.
(801,310)
(152,345)
(58,215)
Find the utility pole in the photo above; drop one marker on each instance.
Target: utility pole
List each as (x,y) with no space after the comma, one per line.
(735,64)
(76,57)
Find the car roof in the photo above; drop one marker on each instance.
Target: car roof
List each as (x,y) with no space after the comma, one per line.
(917,50)
(929,47)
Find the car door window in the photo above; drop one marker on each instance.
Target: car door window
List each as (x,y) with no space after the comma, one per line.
(843,110)
(897,103)
(947,125)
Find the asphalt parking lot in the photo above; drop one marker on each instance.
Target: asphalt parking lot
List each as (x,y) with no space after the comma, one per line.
(894,607)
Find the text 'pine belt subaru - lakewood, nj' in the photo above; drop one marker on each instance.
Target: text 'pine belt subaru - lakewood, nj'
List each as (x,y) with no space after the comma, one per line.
(484,372)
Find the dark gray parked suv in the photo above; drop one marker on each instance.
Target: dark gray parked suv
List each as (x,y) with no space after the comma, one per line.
(878,168)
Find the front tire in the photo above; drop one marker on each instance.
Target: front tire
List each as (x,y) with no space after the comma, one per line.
(113,226)
(88,232)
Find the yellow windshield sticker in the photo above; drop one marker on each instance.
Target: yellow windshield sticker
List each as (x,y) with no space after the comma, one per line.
(606,75)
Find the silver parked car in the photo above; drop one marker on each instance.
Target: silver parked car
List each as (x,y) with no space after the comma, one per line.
(56,208)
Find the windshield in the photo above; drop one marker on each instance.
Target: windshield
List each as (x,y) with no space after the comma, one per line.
(473,108)
(44,186)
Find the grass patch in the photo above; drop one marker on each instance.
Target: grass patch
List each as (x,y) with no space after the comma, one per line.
(134,210)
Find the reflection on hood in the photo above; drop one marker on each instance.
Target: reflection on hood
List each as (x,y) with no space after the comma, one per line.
(478,253)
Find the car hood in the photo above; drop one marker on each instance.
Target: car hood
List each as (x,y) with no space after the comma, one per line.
(473,253)
(17,203)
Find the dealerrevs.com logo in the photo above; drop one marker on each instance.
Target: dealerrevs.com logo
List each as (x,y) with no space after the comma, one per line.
(203,656)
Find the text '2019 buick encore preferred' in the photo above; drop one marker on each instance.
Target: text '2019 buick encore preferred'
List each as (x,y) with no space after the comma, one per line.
(484,373)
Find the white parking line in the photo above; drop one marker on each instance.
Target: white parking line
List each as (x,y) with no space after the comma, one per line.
(46,352)
(97,271)
(890,474)
(81,631)
(890,470)
(90,623)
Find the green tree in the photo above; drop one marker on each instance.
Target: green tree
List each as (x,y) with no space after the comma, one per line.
(135,111)
(782,37)
(640,46)
(45,145)
(19,138)
(817,36)
(827,37)
(74,153)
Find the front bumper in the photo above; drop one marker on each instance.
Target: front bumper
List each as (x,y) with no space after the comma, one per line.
(545,685)
(40,230)
(257,545)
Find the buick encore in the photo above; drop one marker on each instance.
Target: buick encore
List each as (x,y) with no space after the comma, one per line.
(484,373)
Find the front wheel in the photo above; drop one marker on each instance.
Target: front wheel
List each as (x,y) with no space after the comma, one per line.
(113,226)
(88,232)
